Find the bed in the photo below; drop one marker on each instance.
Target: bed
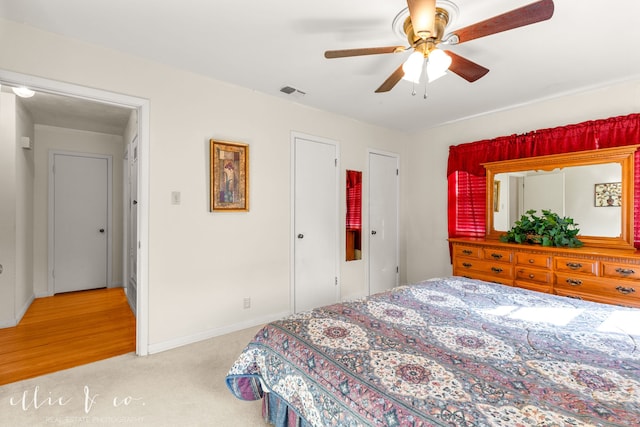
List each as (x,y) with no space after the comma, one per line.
(447,351)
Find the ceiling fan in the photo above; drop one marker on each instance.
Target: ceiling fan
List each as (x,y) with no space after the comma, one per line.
(425,30)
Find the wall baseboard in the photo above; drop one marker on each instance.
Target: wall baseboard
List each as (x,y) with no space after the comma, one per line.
(212,333)
(26,306)
(7,324)
(14,322)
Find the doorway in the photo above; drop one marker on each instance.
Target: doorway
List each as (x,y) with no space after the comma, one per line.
(141,106)
(315,222)
(384,190)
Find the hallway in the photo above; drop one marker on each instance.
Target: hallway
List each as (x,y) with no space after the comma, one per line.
(67,330)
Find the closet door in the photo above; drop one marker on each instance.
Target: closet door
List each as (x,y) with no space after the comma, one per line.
(315,231)
(383,221)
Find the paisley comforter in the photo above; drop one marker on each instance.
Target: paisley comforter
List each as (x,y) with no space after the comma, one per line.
(454,352)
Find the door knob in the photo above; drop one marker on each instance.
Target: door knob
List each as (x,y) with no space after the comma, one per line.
(300,236)
(101,230)
(374,232)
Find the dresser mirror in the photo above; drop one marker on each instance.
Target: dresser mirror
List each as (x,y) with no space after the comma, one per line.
(594,187)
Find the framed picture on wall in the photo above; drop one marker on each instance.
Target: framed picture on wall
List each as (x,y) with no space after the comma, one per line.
(229,176)
(608,194)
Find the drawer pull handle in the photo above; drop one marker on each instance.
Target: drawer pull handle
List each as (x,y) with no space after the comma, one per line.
(496,256)
(531,261)
(467,252)
(624,290)
(467,265)
(625,271)
(574,296)
(531,276)
(574,265)
(496,269)
(574,282)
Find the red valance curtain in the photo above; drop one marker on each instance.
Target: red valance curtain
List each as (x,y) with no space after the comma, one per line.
(465,162)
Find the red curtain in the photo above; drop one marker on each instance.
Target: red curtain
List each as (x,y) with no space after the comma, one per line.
(465,161)
(354,200)
(468,214)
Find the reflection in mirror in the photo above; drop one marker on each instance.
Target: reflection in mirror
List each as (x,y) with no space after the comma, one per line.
(354,215)
(595,188)
(569,192)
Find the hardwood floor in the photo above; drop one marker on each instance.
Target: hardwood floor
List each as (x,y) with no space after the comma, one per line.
(67,330)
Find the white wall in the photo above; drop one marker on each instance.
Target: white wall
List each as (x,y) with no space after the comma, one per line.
(427,253)
(16,211)
(49,138)
(25,174)
(7,209)
(202,264)
(580,198)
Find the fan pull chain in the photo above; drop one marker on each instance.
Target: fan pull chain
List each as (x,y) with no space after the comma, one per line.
(426,76)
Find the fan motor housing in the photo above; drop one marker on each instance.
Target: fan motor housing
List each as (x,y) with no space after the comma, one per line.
(427,45)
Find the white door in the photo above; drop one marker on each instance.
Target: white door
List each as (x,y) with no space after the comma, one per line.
(315,230)
(383,221)
(132,216)
(80,222)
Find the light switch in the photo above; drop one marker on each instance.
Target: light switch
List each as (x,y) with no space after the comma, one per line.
(175,197)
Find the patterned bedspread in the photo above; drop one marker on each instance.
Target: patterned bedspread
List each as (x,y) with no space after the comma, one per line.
(454,352)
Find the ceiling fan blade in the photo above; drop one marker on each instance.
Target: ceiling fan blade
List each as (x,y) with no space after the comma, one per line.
(363,51)
(423,15)
(525,15)
(392,80)
(468,70)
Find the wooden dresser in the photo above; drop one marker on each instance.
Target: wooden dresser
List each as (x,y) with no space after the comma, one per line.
(609,276)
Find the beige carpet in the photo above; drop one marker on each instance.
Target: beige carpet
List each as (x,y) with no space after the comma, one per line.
(180,387)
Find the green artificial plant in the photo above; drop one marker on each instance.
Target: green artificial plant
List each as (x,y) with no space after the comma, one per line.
(547,230)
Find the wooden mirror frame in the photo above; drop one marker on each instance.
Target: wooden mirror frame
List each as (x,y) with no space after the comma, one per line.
(623,155)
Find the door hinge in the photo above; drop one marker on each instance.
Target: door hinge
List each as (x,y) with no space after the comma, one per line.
(336,280)
(335,162)
(397,172)
(397,269)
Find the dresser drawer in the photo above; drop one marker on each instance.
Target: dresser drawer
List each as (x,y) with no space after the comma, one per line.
(500,255)
(487,268)
(532,286)
(487,278)
(467,251)
(620,270)
(534,275)
(618,289)
(534,260)
(583,266)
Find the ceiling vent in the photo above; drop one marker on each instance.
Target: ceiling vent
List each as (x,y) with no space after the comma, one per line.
(292,91)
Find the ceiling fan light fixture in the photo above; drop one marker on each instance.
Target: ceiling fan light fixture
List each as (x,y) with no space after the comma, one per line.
(412,67)
(422,14)
(438,63)
(23,92)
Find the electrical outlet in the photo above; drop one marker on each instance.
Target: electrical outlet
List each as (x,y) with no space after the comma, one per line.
(247,303)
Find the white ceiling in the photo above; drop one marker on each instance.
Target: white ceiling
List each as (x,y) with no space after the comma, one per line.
(74,113)
(265,45)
